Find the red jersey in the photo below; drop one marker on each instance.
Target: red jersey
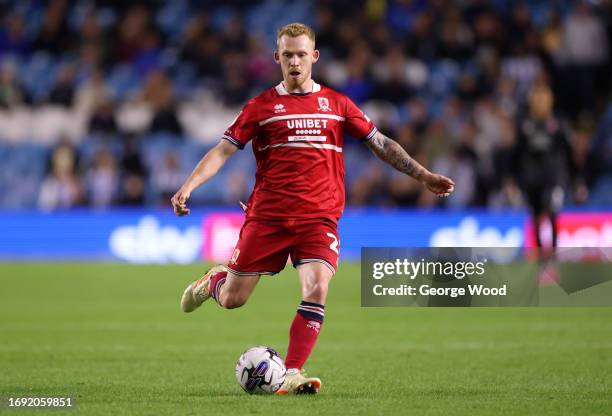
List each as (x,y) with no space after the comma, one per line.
(297,142)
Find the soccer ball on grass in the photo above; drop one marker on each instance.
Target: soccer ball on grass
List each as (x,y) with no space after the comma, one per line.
(260,370)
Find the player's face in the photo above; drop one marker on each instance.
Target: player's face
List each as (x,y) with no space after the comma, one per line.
(296,56)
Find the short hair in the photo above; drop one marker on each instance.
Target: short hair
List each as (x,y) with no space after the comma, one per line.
(294,30)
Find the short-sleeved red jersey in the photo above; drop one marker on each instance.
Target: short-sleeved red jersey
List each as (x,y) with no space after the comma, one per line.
(298,141)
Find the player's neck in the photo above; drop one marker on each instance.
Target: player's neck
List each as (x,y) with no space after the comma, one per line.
(306,87)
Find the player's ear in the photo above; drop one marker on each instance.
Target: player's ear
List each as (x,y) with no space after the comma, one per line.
(277,57)
(315,56)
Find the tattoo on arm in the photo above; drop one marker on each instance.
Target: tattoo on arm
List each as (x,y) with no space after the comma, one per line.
(391,152)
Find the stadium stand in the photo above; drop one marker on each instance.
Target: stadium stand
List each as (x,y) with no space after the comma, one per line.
(104,103)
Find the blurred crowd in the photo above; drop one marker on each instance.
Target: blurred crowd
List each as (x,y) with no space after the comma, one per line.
(106,103)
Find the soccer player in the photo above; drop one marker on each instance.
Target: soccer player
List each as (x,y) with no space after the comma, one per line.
(297,130)
(542,163)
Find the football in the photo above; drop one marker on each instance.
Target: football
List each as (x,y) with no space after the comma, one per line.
(260,370)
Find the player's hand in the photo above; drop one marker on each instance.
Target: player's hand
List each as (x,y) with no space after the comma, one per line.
(438,184)
(179,202)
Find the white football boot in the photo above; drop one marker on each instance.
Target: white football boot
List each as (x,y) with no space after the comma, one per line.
(198,292)
(297,382)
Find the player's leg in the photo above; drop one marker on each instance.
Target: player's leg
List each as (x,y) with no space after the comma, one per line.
(306,326)
(555,203)
(262,248)
(315,257)
(314,281)
(308,321)
(233,290)
(228,289)
(534,200)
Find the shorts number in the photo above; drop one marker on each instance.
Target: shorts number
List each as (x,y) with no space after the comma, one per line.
(334,245)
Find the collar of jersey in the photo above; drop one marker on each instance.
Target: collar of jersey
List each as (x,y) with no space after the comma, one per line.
(281,90)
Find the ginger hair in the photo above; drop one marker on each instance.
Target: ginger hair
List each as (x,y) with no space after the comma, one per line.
(294,30)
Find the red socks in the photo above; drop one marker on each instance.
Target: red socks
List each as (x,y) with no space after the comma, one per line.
(304,329)
(304,333)
(216,281)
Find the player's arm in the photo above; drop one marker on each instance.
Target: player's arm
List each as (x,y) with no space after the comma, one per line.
(391,152)
(206,168)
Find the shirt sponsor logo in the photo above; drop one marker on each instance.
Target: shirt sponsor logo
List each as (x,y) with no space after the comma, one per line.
(308,123)
(308,130)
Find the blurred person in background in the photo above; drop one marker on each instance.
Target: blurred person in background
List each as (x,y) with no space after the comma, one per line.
(167,176)
(102,179)
(456,38)
(102,119)
(194,32)
(55,35)
(542,162)
(391,83)
(61,188)
(259,70)
(94,106)
(63,91)
(148,57)
(13,37)
(461,164)
(234,34)
(235,85)
(130,35)
(157,93)
(585,53)
(505,192)
(201,46)
(358,83)
(133,176)
(91,33)
(369,187)
(421,40)
(12,93)
(581,147)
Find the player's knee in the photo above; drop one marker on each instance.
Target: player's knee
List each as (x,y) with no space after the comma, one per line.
(316,291)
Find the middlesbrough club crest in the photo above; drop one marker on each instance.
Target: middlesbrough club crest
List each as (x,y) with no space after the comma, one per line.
(323,104)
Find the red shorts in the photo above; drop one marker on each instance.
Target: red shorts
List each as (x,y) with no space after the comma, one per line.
(265,245)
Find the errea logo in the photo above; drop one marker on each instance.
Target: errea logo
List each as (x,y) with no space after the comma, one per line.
(279,108)
(314,325)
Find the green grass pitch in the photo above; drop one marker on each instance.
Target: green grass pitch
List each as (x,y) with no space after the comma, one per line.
(112,336)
